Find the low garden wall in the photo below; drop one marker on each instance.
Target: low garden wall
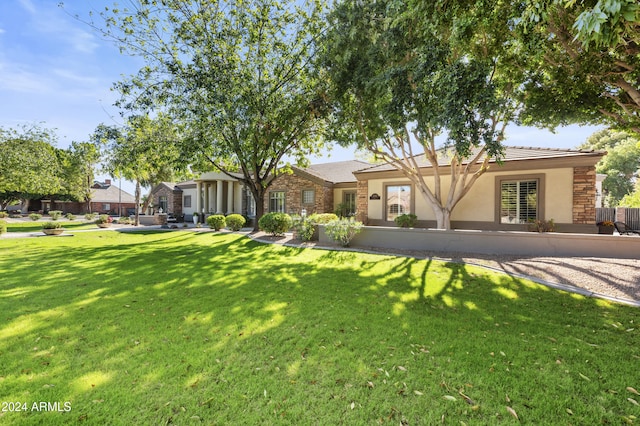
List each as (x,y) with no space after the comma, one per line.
(497,242)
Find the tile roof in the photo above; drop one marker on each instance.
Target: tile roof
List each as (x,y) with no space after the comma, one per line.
(511,153)
(336,172)
(111,194)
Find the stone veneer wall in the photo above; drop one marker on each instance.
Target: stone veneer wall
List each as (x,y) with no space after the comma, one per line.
(174,200)
(293,185)
(362,201)
(584,195)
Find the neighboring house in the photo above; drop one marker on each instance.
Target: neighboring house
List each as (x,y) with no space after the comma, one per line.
(529,184)
(106,199)
(166,197)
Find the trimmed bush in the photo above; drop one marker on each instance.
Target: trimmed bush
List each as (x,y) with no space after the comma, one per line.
(275,223)
(52,225)
(55,214)
(90,216)
(342,231)
(406,220)
(70,216)
(3,214)
(235,222)
(124,221)
(35,217)
(216,222)
(3,226)
(322,218)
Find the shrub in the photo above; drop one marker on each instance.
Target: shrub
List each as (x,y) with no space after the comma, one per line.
(342,231)
(275,223)
(124,221)
(35,216)
(542,225)
(55,214)
(70,216)
(52,225)
(216,222)
(235,222)
(104,218)
(406,220)
(90,216)
(304,227)
(322,218)
(3,226)
(3,214)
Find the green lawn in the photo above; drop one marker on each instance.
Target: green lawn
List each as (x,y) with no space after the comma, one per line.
(35,226)
(186,328)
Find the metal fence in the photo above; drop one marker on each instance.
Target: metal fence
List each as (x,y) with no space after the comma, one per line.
(631,216)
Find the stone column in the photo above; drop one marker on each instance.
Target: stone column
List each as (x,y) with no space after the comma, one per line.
(584,195)
(207,201)
(198,197)
(219,197)
(362,201)
(230,187)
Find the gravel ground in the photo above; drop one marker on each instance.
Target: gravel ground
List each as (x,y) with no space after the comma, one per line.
(616,279)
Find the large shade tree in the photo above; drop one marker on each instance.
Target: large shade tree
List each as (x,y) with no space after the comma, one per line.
(582,62)
(405,72)
(144,151)
(29,165)
(240,76)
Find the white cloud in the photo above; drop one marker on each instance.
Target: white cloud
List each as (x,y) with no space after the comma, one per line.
(28,6)
(2,31)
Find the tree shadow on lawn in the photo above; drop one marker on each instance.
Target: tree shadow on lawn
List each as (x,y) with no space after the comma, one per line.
(213,326)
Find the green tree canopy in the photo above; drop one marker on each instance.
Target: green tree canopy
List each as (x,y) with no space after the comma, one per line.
(582,62)
(144,151)
(404,72)
(30,167)
(621,164)
(240,76)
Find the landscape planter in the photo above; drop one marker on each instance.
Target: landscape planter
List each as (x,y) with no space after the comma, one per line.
(53,231)
(605,230)
(103,225)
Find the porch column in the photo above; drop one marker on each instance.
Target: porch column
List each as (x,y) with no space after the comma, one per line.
(230,187)
(206,197)
(219,197)
(198,197)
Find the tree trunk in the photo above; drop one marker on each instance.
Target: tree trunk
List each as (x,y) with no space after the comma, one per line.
(138,189)
(259,197)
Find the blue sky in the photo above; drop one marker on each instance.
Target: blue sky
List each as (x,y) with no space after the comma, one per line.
(56,70)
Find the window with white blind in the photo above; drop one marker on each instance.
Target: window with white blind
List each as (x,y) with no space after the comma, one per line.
(518,201)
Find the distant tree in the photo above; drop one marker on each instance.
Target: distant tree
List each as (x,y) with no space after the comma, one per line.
(78,164)
(583,62)
(621,164)
(240,77)
(140,151)
(404,72)
(29,166)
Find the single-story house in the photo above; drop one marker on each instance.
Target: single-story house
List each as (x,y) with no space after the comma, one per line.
(530,183)
(106,199)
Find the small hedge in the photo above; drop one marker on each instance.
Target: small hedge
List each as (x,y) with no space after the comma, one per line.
(406,220)
(216,222)
(52,225)
(55,214)
(70,216)
(275,223)
(235,222)
(322,218)
(35,217)
(3,226)
(90,216)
